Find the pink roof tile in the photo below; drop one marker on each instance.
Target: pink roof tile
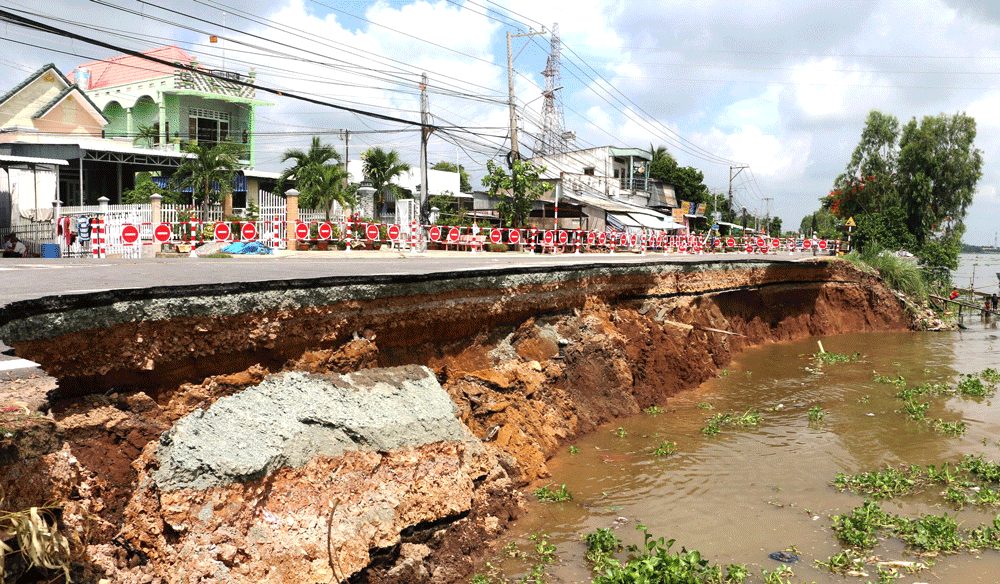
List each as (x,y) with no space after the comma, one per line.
(129,69)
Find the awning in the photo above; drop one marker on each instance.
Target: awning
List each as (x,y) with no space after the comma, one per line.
(654,222)
(625,220)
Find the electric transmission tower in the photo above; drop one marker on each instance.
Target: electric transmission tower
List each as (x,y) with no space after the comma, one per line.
(552,139)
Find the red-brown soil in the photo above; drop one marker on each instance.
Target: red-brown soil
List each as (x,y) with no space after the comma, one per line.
(524,386)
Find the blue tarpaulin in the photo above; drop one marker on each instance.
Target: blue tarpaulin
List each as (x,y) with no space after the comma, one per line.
(248,248)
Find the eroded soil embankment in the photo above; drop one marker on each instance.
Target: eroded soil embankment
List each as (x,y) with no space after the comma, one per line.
(524,383)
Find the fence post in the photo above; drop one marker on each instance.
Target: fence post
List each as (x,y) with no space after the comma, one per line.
(156,217)
(291,217)
(56,209)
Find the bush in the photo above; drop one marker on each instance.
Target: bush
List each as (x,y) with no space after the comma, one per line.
(500,247)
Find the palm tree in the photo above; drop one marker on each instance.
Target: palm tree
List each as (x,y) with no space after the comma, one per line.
(306,169)
(659,153)
(331,187)
(212,163)
(380,168)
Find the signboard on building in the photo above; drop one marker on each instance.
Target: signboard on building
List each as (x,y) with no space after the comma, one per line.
(679,215)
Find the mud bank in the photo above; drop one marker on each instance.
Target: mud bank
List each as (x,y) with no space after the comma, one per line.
(317,476)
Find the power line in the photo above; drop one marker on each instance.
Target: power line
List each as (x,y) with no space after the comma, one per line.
(33,24)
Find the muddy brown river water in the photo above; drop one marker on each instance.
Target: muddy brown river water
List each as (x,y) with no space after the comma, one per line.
(743,493)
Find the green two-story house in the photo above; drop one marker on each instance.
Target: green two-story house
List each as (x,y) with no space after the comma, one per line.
(165,107)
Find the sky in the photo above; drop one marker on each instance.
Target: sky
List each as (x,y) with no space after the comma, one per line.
(781,86)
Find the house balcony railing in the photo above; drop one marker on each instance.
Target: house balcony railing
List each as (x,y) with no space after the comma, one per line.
(633,184)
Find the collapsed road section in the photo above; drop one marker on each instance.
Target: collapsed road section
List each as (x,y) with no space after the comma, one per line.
(369,428)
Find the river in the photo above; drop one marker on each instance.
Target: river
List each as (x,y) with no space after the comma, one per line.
(745,492)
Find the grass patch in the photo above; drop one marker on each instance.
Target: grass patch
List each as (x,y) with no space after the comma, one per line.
(816,414)
(653,411)
(218,254)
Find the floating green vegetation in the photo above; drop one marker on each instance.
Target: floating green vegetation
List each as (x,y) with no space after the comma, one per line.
(554,495)
(915,409)
(705,406)
(653,411)
(541,553)
(860,528)
(621,432)
(864,399)
(816,414)
(973,481)
(950,428)
(990,375)
(601,547)
(886,483)
(653,562)
(573,449)
(899,381)
(665,448)
(834,358)
(715,424)
(973,386)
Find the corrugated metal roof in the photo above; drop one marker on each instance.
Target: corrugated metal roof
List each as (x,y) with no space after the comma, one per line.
(31,160)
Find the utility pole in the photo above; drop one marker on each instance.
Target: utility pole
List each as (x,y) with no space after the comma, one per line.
(346,135)
(738,170)
(514,154)
(767,215)
(425,133)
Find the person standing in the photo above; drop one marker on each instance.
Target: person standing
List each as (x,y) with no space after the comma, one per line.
(994,301)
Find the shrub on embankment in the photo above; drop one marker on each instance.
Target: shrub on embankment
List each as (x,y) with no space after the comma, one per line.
(900,274)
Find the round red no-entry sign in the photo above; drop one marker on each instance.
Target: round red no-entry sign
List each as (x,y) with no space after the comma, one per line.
(514,236)
(590,238)
(730,242)
(371,231)
(760,242)
(453,234)
(823,244)
(221,231)
(301,231)
(548,238)
(325,231)
(248,231)
(394,232)
(563,237)
(807,244)
(162,233)
(495,236)
(130,234)
(775,243)
(435,233)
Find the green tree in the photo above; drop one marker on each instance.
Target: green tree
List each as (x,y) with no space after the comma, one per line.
(939,167)
(329,186)
(380,167)
(519,190)
(145,188)
(463,177)
(688,181)
(659,153)
(774,227)
(911,188)
(212,164)
(308,170)
(822,222)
